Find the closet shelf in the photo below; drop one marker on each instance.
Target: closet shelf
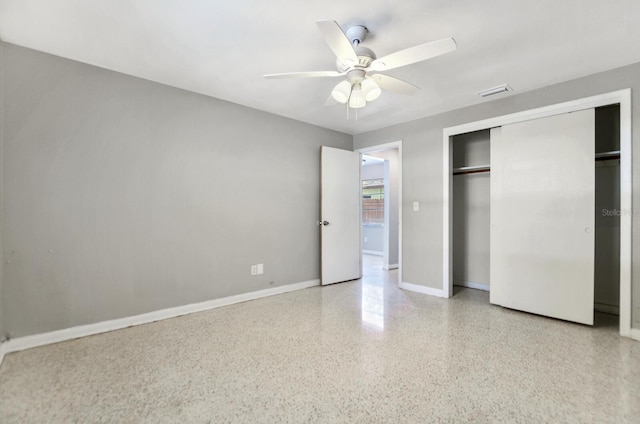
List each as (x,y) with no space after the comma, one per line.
(471,169)
(612,155)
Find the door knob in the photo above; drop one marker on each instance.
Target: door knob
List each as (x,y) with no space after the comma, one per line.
(323,222)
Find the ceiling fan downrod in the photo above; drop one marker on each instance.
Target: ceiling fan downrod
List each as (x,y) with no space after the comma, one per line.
(357,34)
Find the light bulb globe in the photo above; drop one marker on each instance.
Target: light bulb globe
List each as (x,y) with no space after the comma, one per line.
(341,92)
(371,90)
(357,99)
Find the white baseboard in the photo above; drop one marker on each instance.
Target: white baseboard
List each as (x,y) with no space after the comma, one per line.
(2,350)
(422,289)
(27,342)
(372,252)
(635,334)
(390,267)
(472,285)
(607,309)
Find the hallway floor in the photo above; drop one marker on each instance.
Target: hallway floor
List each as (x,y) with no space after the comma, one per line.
(356,352)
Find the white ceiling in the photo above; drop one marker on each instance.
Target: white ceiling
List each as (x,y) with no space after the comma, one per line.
(222,48)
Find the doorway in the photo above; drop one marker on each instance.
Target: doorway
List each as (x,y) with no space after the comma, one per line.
(382,206)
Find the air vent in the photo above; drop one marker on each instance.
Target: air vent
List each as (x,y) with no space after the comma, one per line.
(495,90)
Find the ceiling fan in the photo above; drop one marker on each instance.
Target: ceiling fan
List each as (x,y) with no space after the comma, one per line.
(364,82)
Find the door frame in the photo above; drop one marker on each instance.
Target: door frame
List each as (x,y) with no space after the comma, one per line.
(621,97)
(379,148)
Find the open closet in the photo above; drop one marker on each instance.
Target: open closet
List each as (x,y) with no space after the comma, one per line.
(536,213)
(471,207)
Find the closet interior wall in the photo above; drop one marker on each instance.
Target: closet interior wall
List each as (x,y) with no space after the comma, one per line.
(607,225)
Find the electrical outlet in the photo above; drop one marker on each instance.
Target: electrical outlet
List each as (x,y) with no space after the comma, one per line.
(260,269)
(254,269)
(416,206)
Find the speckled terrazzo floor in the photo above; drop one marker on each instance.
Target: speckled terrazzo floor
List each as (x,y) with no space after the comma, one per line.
(357,352)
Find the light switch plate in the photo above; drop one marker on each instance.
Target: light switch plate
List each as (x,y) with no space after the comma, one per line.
(416,206)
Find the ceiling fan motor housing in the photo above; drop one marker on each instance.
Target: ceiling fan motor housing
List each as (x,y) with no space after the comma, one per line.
(357,33)
(365,57)
(356,75)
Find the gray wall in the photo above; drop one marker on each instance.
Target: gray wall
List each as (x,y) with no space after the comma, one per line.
(124,196)
(373,239)
(2,326)
(423,168)
(471,212)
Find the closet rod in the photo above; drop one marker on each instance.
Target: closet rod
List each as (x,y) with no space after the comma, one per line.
(471,170)
(612,155)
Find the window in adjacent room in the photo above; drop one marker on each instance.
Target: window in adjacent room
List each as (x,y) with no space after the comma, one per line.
(373,201)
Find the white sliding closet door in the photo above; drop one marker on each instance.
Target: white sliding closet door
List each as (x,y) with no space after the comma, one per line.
(542,216)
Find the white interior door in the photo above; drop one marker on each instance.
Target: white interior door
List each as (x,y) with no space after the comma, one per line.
(542,216)
(340,215)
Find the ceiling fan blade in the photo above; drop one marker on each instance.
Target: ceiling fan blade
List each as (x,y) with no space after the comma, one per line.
(337,40)
(331,101)
(414,54)
(312,74)
(394,84)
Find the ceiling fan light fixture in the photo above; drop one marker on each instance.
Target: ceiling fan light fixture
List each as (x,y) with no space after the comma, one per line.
(341,92)
(357,99)
(371,90)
